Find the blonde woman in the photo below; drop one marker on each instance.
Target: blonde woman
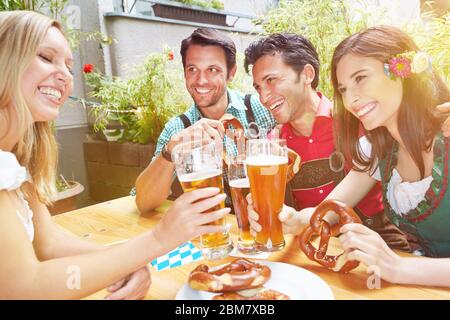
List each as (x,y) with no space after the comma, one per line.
(35,256)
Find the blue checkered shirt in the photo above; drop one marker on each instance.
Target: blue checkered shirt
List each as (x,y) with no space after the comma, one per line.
(236,107)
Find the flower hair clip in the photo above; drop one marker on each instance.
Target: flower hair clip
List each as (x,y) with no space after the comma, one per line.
(405,64)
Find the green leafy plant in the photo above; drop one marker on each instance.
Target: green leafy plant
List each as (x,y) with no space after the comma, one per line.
(62,184)
(56,10)
(327,22)
(10,5)
(433,38)
(215,4)
(143,103)
(242,81)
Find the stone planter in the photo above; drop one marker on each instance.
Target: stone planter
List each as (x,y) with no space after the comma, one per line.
(113,167)
(113,134)
(179,11)
(66,200)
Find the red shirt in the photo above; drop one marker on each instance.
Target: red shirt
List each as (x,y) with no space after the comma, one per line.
(316,178)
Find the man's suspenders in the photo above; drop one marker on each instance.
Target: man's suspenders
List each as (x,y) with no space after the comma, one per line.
(185,120)
(248,113)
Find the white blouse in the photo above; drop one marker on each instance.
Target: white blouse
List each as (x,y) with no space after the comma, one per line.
(12,175)
(402,196)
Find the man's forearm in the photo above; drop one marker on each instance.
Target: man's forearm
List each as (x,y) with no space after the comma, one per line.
(153,184)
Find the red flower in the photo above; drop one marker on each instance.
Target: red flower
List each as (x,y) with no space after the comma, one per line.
(88,68)
(170,55)
(400,66)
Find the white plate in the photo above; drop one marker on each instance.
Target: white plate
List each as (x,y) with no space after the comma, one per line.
(296,282)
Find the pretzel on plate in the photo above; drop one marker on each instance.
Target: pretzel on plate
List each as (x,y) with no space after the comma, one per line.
(238,275)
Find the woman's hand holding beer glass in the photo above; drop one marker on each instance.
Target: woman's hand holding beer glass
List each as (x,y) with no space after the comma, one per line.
(185,220)
(199,165)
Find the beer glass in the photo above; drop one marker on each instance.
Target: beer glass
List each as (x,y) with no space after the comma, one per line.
(199,165)
(267,166)
(240,188)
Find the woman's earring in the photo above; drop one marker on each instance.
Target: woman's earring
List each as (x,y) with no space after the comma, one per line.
(387,71)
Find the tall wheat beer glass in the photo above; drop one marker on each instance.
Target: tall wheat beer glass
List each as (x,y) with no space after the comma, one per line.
(199,165)
(267,164)
(240,188)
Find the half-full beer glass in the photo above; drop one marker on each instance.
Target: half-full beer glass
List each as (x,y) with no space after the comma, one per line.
(199,165)
(267,165)
(240,188)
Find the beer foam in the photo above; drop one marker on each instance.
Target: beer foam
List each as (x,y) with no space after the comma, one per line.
(240,183)
(195,176)
(266,160)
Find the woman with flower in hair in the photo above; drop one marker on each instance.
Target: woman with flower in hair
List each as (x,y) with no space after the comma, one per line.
(383,81)
(37,259)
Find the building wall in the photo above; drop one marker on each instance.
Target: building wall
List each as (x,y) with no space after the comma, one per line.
(138,35)
(72,123)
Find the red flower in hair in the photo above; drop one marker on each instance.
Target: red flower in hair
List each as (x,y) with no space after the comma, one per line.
(170,55)
(400,66)
(88,68)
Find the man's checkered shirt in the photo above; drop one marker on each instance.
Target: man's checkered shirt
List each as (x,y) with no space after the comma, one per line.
(236,107)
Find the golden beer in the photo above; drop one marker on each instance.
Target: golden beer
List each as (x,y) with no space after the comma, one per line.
(240,188)
(267,175)
(198,180)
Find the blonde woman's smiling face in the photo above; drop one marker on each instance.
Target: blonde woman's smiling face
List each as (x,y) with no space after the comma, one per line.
(367,92)
(48,81)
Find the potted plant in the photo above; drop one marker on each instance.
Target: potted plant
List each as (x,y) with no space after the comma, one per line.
(66,198)
(131,113)
(142,104)
(210,12)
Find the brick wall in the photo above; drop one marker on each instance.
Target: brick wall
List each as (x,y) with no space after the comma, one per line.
(113,167)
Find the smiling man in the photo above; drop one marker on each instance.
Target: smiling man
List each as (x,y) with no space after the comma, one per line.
(209,61)
(286,75)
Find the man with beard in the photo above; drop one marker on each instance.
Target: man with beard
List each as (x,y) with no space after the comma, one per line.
(209,61)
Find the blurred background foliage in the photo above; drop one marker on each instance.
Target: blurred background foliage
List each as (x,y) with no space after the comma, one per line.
(327,22)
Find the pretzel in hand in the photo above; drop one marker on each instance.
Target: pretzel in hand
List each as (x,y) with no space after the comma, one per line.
(239,274)
(318,226)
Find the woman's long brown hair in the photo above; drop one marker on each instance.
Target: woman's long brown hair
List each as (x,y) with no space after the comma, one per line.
(418,122)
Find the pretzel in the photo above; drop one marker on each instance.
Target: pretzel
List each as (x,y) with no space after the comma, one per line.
(238,275)
(263,294)
(318,226)
(238,135)
(240,139)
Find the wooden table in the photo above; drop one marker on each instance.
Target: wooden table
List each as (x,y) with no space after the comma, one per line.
(116,221)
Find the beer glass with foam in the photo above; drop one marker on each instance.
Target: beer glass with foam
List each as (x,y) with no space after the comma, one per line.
(199,165)
(267,166)
(240,188)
